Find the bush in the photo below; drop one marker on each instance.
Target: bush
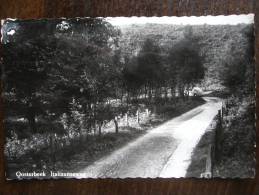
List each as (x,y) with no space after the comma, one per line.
(21,129)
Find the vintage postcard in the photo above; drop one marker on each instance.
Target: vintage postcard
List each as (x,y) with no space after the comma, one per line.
(122,97)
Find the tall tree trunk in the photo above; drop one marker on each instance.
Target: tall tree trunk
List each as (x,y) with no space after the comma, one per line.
(100,129)
(95,128)
(127,100)
(165,92)
(150,93)
(127,119)
(116,125)
(145,92)
(181,91)
(31,120)
(172,92)
(157,93)
(122,94)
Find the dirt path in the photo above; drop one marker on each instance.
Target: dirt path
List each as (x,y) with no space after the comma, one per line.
(164,151)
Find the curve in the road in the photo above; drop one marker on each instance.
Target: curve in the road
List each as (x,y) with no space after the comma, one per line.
(164,151)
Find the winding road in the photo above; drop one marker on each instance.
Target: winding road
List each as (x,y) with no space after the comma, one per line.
(164,151)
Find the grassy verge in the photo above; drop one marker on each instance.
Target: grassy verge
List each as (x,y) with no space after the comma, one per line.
(237,153)
(83,152)
(236,156)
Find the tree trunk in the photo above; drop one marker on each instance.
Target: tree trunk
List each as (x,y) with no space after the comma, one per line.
(145,91)
(100,129)
(150,93)
(181,91)
(116,125)
(157,93)
(127,120)
(127,99)
(95,127)
(31,120)
(165,91)
(172,93)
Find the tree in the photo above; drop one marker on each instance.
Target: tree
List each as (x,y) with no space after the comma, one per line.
(92,57)
(25,73)
(185,63)
(145,70)
(149,65)
(133,80)
(238,63)
(71,60)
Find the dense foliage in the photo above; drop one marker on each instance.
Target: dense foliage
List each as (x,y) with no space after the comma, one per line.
(216,44)
(70,77)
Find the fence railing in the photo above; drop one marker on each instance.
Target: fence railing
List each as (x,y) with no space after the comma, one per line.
(214,149)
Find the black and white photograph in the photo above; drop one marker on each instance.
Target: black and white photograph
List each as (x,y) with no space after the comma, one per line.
(129,97)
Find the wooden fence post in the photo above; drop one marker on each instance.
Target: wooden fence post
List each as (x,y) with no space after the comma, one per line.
(127,119)
(218,132)
(137,116)
(147,112)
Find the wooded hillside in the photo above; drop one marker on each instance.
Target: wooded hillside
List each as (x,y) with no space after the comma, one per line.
(216,43)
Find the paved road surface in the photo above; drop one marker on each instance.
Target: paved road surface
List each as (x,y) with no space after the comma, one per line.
(164,151)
